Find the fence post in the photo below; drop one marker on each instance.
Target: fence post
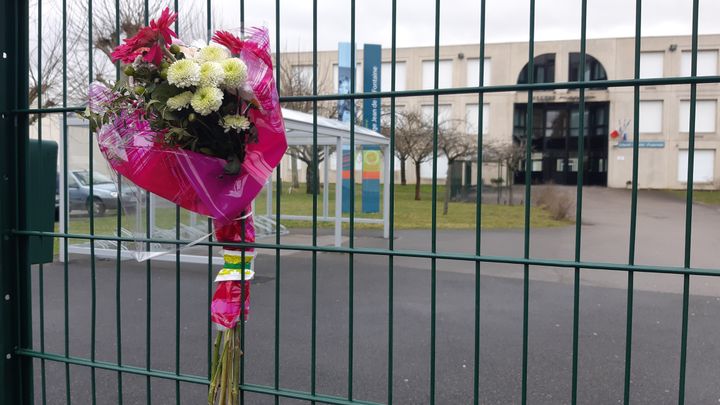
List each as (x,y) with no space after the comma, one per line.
(15,319)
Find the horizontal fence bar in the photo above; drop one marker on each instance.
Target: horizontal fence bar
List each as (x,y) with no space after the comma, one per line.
(260,389)
(168,375)
(309,218)
(596,84)
(188,378)
(699,271)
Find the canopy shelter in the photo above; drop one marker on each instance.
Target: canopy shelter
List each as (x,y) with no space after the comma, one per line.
(299,127)
(331,132)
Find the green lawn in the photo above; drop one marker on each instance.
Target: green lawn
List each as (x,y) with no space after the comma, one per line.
(711,197)
(409,214)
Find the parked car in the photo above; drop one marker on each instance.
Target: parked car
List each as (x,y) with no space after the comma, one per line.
(105,194)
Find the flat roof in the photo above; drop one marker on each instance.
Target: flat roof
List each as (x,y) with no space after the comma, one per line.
(299,130)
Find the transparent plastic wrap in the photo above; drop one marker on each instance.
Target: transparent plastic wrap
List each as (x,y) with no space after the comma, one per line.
(156,218)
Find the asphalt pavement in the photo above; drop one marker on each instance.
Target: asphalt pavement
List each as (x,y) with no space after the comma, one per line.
(656,338)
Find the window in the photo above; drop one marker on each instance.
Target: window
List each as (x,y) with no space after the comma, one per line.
(544,67)
(573,164)
(651,117)
(703,167)
(386,76)
(473,72)
(556,123)
(651,64)
(358,78)
(444,113)
(471,118)
(519,122)
(599,121)
(575,122)
(707,63)
(71,183)
(428,74)
(594,70)
(705,113)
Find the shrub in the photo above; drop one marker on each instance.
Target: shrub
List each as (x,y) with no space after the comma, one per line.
(557,201)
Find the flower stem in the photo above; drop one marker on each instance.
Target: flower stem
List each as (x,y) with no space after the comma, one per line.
(224,369)
(216,367)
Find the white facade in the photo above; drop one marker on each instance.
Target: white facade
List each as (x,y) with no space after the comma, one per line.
(664,110)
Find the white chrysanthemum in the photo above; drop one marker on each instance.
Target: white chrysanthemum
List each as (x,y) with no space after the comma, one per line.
(206,100)
(236,122)
(235,72)
(213,53)
(184,73)
(180,101)
(211,74)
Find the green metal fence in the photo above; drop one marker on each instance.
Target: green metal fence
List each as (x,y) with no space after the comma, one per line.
(21,380)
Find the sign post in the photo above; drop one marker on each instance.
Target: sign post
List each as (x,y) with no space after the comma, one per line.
(372,155)
(344,74)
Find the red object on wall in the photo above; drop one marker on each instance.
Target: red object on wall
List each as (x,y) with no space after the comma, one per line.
(614,134)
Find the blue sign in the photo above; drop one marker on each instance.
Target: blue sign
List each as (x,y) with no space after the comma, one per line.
(371,84)
(344,82)
(642,144)
(371,119)
(344,75)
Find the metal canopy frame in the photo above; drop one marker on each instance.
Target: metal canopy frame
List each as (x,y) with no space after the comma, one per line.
(300,128)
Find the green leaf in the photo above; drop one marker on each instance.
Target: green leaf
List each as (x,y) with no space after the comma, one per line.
(164,91)
(233,165)
(170,115)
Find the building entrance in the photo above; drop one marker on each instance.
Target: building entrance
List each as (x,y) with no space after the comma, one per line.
(556,127)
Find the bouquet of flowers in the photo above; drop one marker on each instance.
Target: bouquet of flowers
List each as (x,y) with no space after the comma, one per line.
(201,127)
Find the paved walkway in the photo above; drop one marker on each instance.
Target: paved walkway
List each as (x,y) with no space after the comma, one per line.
(660,241)
(656,323)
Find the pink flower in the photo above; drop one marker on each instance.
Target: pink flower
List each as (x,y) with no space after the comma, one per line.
(161,26)
(229,40)
(147,42)
(236,45)
(154,55)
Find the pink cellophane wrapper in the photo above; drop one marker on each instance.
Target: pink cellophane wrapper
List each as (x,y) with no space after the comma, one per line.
(226,307)
(195,181)
(232,298)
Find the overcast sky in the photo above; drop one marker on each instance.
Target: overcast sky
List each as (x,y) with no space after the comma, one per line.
(507,20)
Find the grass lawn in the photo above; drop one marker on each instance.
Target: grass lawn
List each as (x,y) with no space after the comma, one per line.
(711,197)
(409,214)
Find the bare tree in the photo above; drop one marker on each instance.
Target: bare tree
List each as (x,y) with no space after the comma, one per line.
(414,142)
(456,144)
(405,130)
(513,156)
(48,73)
(508,156)
(295,81)
(68,66)
(493,153)
(45,89)
(131,18)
